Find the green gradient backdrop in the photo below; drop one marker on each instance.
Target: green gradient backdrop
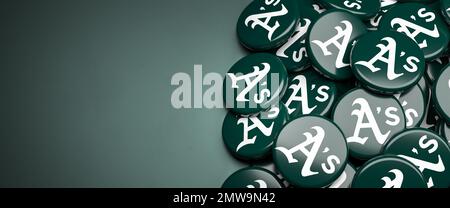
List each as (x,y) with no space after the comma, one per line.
(85,92)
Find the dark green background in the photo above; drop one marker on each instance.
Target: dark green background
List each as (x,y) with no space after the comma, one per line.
(85,92)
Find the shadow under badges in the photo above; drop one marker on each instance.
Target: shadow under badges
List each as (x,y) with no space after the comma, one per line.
(329,43)
(254,83)
(387,62)
(368,121)
(252,177)
(420,23)
(426,150)
(267,24)
(388,171)
(309,93)
(310,152)
(253,137)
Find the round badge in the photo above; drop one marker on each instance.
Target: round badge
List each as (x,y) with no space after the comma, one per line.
(388,171)
(441,94)
(293,52)
(252,137)
(368,121)
(267,24)
(427,151)
(420,23)
(252,177)
(361,9)
(414,106)
(310,152)
(309,94)
(387,62)
(254,83)
(345,179)
(329,43)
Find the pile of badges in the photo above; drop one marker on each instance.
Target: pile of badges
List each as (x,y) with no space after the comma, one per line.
(341,93)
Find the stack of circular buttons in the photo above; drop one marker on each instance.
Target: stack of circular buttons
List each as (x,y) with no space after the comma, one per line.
(340,94)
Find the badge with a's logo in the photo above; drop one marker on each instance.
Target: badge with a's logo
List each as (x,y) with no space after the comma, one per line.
(252,137)
(427,151)
(252,177)
(420,23)
(309,93)
(266,24)
(310,152)
(368,121)
(388,171)
(387,62)
(254,83)
(330,41)
(361,8)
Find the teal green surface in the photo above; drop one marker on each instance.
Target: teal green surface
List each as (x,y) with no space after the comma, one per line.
(86,92)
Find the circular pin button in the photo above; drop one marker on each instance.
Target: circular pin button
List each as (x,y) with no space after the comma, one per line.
(387,62)
(435,67)
(310,152)
(385,5)
(420,23)
(254,83)
(345,179)
(368,121)
(426,150)
(252,177)
(361,9)
(445,9)
(414,106)
(309,94)
(265,25)
(329,43)
(253,137)
(441,94)
(293,52)
(388,171)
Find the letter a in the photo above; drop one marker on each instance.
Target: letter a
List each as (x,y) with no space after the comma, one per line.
(257,76)
(256,124)
(256,19)
(303,98)
(372,123)
(343,34)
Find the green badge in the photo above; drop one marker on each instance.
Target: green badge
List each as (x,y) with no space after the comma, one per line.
(368,121)
(361,8)
(309,94)
(329,43)
(385,5)
(387,62)
(420,23)
(253,137)
(388,171)
(252,177)
(310,152)
(441,94)
(267,24)
(427,151)
(435,67)
(254,83)
(445,9)
(293,52)
(414,106)
(345,179)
